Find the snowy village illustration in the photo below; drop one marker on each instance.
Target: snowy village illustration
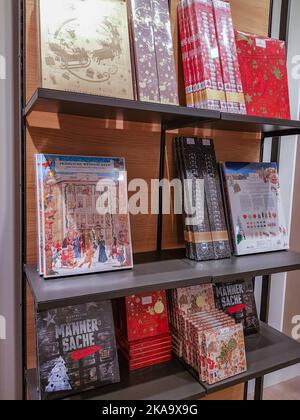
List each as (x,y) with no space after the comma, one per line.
(256,209)
(75,238)
(85,47)
(76,349)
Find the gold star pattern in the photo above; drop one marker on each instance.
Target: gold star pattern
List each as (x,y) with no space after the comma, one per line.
(277,73)
(248,98)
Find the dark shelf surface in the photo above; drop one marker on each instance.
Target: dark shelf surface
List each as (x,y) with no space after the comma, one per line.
(153,272)
(167,381)
(159,272)
(46,100)
(170,116)
(249,265)
(267,352)
(269,127)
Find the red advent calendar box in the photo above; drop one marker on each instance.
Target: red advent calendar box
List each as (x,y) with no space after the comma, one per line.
(146,316)
(263,66)
(143,329)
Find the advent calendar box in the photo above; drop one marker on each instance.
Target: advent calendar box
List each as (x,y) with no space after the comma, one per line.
(228,56)
(263,66)
(143,329)
(205,229)
(165,62)
(237,300)
(76,349)
(206,338)
(187,56)
(197,230)
(201,58)
(146,316)
(255,207)
(208,65)
(144,51)
(85,47)
(153,51)
(225,353)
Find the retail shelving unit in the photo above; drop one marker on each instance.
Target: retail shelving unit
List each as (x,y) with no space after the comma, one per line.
(267,352)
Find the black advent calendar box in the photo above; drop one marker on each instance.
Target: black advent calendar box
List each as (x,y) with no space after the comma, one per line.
(237,299)
(76,349)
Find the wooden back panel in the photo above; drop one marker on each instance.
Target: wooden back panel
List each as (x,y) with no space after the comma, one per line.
(138,143)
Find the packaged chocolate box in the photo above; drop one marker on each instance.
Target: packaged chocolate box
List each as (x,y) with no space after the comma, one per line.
(76,349)
(153,51)
(146,316)
(214,198)
(75,236)
(255,207)
(187,57)
(208,65)
(225,353)
(84,47)
(196,299)
(228,56)
(167,79)
(143,43)
(197,224)
(237,300)
(263,66)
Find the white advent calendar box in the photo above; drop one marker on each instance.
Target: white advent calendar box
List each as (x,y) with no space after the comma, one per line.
(255,207)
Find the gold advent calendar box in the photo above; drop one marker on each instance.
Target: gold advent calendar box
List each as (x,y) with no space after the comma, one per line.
(84,47)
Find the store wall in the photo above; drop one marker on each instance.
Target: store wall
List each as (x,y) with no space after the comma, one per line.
(10,348)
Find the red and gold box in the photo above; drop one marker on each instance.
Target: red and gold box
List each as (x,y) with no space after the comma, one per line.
(187,60)
(229,59)
(263,66)
(209,82)
(146,316)
(151,362)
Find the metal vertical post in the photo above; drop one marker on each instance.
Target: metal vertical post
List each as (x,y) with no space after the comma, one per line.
(22,124)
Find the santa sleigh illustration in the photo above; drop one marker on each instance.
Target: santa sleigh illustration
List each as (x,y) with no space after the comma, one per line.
(78,59)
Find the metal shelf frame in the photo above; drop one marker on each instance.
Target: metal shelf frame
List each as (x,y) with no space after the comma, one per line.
(169,118)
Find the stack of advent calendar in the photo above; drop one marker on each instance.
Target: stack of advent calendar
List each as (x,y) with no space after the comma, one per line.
(205,228)
(208,340)
(143,333)
(83,219)
(211,70)
(230,71)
